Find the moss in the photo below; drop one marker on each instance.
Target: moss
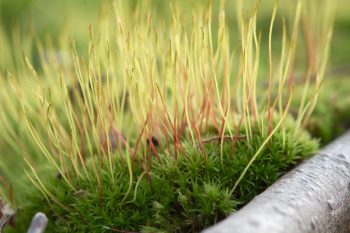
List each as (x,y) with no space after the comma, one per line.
(183,194)
(331,117)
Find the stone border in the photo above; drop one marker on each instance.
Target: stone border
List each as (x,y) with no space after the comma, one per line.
(313,197)
(38,224)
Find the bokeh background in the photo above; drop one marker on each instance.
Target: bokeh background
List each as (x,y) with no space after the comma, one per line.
(73,17)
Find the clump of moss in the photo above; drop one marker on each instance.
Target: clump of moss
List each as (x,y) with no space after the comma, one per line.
(168,82)
(331,116)
(182,194)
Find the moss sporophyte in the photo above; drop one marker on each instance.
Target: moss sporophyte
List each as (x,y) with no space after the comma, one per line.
(162,126)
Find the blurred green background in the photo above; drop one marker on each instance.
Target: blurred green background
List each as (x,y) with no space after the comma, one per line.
(73,17)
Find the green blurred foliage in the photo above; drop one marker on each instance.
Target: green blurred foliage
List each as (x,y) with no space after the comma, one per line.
(51,17)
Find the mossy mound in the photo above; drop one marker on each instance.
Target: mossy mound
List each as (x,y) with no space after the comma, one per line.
(331,116)
(183,194)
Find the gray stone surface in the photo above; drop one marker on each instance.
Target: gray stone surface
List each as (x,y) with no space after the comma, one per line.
(38,224)
(314,197)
